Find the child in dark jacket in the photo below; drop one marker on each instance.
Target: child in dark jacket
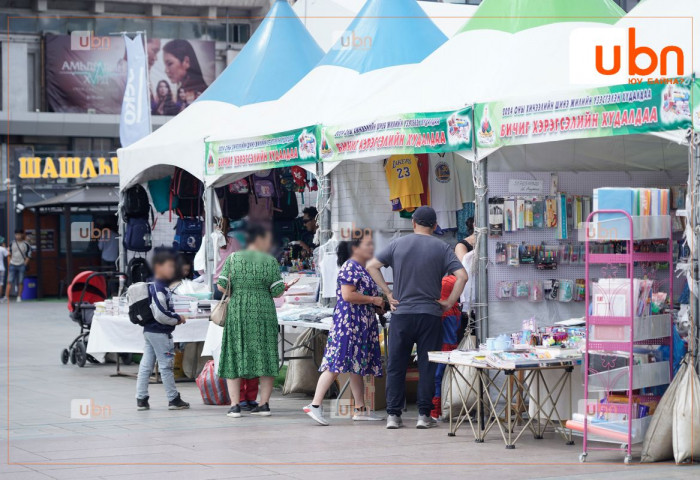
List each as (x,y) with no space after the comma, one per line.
(451,321)
(158,336)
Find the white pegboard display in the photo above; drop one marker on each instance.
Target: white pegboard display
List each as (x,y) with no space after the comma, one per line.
(573,183)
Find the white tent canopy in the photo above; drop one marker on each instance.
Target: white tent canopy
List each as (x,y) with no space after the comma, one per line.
(279,54)
(393,35)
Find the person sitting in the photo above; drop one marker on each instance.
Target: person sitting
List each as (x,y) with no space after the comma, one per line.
(309,228)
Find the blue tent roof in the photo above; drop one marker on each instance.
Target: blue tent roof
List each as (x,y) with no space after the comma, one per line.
(385,33)
(277,56)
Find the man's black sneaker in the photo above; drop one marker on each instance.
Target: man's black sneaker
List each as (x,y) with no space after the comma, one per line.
(142,404)
(234,411)
(177,404)
(248,406)
(261,410)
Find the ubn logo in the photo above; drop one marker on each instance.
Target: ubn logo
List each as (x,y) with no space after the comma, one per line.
(87,232)
(619,55)
(87,40)
(350,41)
(348,231)
(86,408)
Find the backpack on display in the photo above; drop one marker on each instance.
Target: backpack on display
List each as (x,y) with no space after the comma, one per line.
(264,184)
(188,235)
(160,194)
(138,270)
(137,237)
(135,203)
(190,207)
(288,208)
(186,194)
(138,297)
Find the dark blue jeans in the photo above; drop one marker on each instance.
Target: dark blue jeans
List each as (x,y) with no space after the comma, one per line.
(405,330)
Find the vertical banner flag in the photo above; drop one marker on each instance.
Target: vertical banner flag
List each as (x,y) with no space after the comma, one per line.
(135,122)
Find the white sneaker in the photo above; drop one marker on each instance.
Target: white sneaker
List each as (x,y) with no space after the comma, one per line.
(19,299)
(366,416)
(393,422)
(426,421)
(316,413)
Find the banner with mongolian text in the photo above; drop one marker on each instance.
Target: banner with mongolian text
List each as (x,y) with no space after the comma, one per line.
(598,112)
(409,133)
(259,153)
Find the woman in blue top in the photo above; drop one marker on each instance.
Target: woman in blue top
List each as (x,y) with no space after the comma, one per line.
(353,341)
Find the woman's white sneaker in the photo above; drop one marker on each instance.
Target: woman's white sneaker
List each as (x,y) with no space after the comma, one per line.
(316,413)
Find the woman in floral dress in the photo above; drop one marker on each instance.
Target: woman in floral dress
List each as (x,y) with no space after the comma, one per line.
(353,341)
(249,344)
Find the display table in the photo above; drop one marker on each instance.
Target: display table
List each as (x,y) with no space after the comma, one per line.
(116,333)
(498,394)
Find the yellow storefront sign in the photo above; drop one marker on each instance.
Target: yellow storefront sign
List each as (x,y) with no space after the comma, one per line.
(67,167)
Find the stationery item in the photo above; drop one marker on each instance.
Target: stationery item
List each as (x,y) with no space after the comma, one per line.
(538,213)
(520,213)
(551,219)
(552,289)
(566,290)
(529,213)
(513,255)
(504,290)
(536,291)
(522,289)
(496,205)
(500,253)
(509,215)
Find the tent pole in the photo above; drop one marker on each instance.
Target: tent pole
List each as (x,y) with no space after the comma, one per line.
(122,251)
(694,186)
(208,224)
(323,202)
(479,172)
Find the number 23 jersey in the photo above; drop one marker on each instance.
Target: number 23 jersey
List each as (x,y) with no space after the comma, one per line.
(403,176)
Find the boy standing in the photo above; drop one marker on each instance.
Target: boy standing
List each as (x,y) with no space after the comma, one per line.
(158,336)
(20,253)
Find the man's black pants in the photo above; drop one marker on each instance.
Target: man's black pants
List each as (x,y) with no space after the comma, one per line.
(405,330)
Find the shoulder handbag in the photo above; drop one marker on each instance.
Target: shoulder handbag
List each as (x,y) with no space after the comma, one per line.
(219,312)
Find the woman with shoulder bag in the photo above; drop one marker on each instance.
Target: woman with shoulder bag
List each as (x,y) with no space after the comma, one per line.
(249,347)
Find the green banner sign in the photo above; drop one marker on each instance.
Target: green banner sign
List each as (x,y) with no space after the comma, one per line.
(598,112)
(401,134)
(259,153)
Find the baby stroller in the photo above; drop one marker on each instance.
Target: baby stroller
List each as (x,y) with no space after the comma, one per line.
(86,289)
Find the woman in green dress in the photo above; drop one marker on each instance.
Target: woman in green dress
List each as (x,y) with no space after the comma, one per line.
(249,346)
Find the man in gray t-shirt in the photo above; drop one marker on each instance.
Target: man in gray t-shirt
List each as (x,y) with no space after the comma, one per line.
(419,262)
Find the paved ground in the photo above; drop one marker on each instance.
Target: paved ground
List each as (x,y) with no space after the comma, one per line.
(44,442)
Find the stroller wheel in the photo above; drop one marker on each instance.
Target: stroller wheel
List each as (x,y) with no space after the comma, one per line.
(65,355)
(72,355)
(80,354)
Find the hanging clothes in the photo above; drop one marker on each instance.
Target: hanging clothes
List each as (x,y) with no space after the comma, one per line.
(444,191)
(405,185)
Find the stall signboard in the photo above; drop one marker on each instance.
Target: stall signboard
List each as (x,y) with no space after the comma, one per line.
(283,149)
(400,134)
(597,112)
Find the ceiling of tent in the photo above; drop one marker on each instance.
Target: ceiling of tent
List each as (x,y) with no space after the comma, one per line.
(280,52)
(621,153)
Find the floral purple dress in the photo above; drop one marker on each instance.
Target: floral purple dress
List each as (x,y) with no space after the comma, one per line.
(353,341)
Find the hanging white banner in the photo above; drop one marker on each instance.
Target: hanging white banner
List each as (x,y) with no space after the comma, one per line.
(135,121)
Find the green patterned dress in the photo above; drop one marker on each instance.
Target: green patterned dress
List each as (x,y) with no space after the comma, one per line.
(249,346)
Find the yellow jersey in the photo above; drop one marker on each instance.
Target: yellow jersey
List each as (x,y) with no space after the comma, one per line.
(403,177)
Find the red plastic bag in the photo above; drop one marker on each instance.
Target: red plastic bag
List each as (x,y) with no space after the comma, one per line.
(212,388)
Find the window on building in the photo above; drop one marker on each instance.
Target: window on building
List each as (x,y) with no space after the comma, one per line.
(238,32)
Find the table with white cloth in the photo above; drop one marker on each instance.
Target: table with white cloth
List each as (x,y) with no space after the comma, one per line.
(116,333)
(493,397)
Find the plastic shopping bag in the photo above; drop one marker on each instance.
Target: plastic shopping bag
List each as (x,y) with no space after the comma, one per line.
(458,383)
(686,416)
(212,388)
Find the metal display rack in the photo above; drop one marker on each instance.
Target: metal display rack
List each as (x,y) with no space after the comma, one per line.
(611,337)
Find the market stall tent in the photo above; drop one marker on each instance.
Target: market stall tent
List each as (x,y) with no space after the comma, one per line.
(326,20)
(277,56)
(393,36)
